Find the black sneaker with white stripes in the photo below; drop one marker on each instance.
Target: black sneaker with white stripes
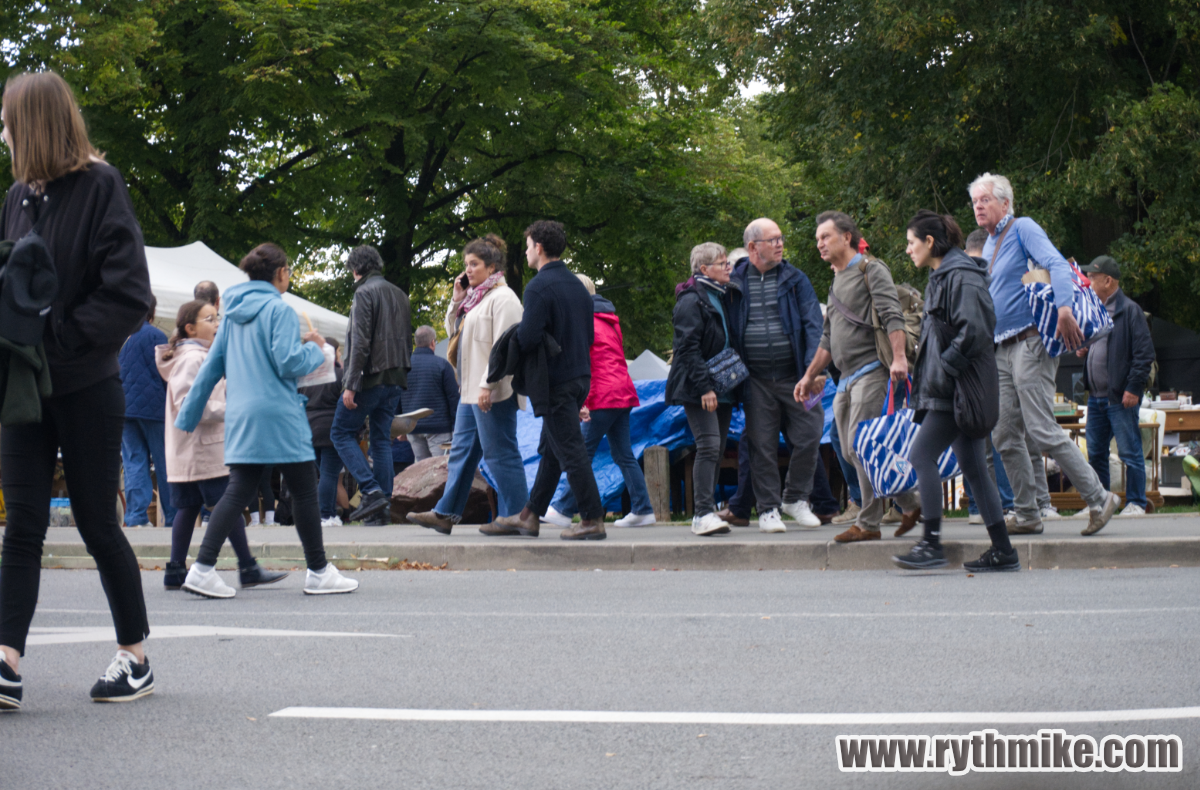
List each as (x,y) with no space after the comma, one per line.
(10,687)
(994,560)
(125,680)
(923,556)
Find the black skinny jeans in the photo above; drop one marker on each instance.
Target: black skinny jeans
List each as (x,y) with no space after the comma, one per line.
(87,426)
(244,479)
(939,431)
(562,448)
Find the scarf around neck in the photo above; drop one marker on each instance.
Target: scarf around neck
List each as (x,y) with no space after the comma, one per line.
(476,294)
(708,282)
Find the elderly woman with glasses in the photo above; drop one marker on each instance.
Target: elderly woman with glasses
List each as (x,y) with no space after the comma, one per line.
(701,323)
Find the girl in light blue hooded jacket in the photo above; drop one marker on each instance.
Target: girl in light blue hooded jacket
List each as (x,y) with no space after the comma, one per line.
(260,353)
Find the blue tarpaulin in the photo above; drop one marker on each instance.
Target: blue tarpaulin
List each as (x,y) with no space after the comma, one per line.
(653,423)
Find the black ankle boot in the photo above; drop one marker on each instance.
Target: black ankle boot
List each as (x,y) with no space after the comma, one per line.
(255,575)
(176,573)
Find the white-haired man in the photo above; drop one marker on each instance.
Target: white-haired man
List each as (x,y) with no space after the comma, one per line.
(1026,370)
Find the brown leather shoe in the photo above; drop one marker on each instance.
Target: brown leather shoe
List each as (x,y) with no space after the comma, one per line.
(513,525)
(591,529)
(856,533)
(727,516)
(433,520)
(907,522)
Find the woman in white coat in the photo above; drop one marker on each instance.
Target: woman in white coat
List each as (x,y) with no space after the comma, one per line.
(483,307)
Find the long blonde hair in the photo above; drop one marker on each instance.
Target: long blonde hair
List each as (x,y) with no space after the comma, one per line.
(49,137)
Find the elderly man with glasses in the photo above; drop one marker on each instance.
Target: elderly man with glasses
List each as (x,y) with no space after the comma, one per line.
(776,329)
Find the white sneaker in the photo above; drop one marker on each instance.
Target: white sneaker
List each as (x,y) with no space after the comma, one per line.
(1133,510)
(328,581)
(801,513)
(771,522)
(708,524)
(1050,514)
(269,519)
(631,520)
(332,521)
(206,583)
(557,519)
(976,518)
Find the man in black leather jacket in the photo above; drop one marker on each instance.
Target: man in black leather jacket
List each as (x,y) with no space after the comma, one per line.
(376,362)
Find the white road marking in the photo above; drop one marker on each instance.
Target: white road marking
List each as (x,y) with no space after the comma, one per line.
(668,615)
(65,636)
(792,719)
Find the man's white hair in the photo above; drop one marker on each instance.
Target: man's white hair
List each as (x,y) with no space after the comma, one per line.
(1000,187)
(754,231)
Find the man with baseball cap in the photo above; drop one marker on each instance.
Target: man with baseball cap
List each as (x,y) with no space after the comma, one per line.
(1115,375)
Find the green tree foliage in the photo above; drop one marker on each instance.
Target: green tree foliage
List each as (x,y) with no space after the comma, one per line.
(894,105)
(415,126)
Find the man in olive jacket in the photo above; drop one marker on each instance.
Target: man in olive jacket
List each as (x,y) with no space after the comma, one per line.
(377,360)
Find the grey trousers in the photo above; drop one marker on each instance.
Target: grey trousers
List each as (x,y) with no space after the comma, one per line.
(710,429)
(768,403)
(428,445)
(1039,471)
(863,400)
(1027,427)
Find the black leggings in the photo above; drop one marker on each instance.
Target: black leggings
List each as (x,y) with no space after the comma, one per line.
(265,491)
(939,431)
(87,426)
(185,524)
(243,482)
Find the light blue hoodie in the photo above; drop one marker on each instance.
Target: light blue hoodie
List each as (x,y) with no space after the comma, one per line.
(259,352)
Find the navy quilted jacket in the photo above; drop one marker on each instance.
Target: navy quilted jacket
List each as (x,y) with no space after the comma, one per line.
(145,390)
(431,385)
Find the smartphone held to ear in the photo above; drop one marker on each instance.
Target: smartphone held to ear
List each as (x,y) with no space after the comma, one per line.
(463,282)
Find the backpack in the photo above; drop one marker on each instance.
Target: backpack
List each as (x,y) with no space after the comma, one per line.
(912,307)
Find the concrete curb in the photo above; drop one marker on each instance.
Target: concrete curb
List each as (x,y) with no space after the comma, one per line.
(543,554)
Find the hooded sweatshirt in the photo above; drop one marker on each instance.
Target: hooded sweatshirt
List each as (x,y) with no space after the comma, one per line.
(198,455)
(259,352)
(612,388)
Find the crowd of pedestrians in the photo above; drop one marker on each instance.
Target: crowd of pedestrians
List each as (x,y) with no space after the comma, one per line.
(216,410)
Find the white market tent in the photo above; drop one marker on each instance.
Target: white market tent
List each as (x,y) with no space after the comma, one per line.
(648,365)
(174,272)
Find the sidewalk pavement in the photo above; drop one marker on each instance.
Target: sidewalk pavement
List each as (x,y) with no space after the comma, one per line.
(1155,541)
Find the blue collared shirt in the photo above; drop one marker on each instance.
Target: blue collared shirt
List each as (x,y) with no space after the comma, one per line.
(1025,241)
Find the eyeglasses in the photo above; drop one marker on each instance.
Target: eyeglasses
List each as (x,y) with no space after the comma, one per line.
(777,241)
(722,264)
(212,319)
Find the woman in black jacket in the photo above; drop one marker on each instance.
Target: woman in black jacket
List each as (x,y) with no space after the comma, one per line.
(956,339)
(87,221)
(702,332)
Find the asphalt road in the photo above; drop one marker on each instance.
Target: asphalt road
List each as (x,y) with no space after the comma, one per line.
(723,642)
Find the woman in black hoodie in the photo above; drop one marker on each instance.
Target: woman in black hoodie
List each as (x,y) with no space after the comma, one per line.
(85,216)
(956,345)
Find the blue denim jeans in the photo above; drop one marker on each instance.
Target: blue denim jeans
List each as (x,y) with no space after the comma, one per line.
(492,436)
(849,473)
(613,423)
(141,441)
(329,466)
(379,405)
(1105,421)
(1005,487)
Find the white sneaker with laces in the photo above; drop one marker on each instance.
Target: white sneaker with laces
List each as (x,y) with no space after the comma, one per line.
(203,580)
(328,581)
(801,513)
(1133,510)
(976,518)
(332,521)
(631,520)
(771,522)
(1050,514)
(709,524)
(557,519)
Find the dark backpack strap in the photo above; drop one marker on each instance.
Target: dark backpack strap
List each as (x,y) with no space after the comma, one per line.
(845,311)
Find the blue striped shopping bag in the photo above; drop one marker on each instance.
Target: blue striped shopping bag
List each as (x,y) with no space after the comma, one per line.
(882,445)
(1089,311)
